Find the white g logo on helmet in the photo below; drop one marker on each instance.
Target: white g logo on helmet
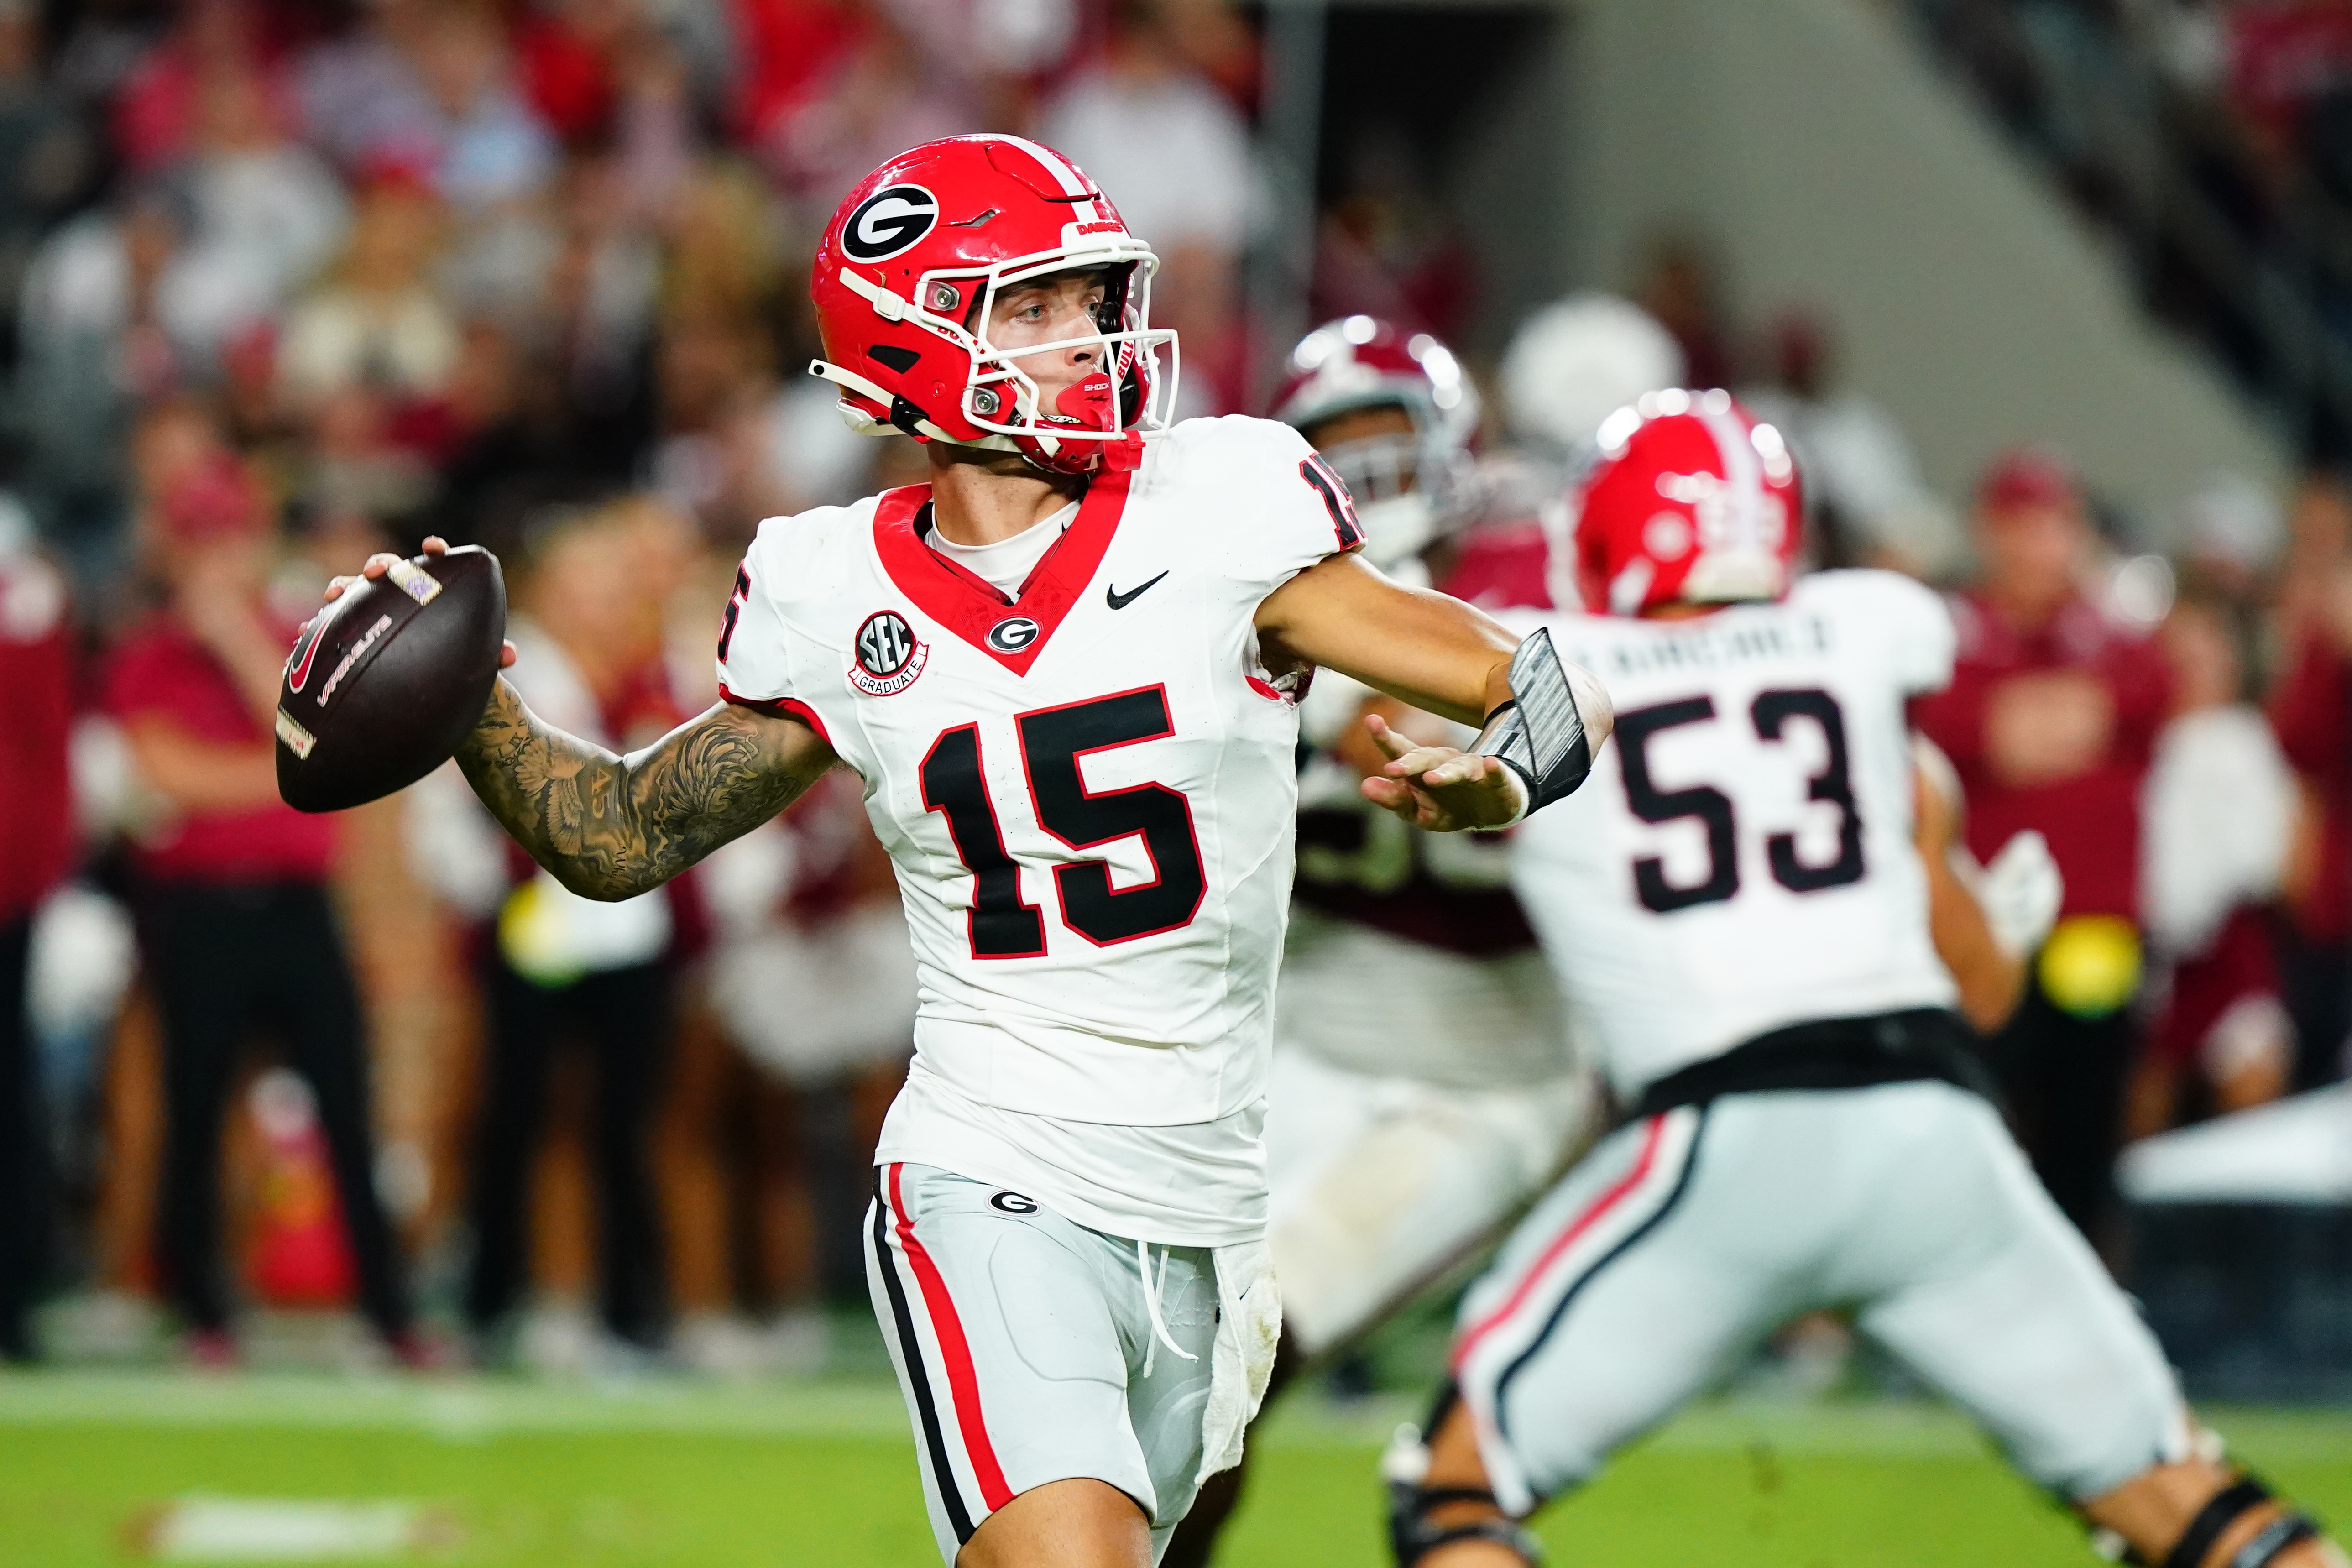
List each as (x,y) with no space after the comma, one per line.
(888,221)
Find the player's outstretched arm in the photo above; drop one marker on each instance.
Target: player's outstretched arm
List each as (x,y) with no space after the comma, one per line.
(609,827)
(1429,651)
(1424,648)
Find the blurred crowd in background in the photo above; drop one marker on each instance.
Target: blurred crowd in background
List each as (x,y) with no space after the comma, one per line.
(294,282)
(2211,142)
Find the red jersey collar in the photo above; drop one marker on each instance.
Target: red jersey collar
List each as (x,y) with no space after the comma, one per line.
(972,609)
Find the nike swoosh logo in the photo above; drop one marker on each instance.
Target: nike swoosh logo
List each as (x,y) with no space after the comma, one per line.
(1119,601)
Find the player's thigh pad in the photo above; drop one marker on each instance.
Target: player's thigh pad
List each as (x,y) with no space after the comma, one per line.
(1974,1278)
(1382,1184)
(1021,1341)
(1612,1302)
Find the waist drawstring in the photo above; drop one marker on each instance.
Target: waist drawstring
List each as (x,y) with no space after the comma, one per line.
(1152,1285)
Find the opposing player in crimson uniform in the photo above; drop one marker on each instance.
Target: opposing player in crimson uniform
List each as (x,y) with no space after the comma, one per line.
(1063,670)
(1423,1089)
(1738,914)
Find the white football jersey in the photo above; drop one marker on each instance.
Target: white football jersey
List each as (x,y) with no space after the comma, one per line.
(1087,790)
(1742,859)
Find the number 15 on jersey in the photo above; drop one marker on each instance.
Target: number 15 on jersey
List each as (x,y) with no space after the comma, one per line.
(1003,923)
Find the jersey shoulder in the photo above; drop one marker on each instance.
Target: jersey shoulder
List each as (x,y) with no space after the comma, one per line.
(1224,449)
(1868,591)
(1909,623)
(1252,492)
(808,555)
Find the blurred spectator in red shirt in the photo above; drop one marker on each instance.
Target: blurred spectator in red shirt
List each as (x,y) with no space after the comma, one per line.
(36,836)
(2050,721)
(219,47)
(236,922)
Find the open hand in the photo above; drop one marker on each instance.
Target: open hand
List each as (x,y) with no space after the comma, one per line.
(1441,788)
(381,563)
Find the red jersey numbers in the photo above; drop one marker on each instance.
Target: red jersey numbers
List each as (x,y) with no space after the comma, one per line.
(1053,740)
(1335,500)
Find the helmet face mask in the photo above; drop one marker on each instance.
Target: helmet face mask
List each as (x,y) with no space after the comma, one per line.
(953,227)
(1412,478)
(1004,399)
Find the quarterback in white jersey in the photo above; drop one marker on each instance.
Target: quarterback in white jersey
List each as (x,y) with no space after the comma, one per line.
(1064,670)
(1736,908)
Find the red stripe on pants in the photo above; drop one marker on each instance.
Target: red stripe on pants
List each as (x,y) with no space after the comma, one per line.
(1577,1227)
(963,1384)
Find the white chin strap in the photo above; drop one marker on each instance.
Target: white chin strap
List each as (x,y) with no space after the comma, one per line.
(865,424)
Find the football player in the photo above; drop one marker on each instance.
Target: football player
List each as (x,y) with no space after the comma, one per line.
(1423,1089)
(1738,914)
(1064,670)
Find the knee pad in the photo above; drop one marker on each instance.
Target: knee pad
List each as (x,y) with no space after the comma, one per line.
(2228,1506)
(1412,1536)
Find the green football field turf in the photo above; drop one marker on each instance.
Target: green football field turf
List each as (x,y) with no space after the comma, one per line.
(518,1475)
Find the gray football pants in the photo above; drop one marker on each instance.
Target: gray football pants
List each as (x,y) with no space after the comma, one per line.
(1684,1239)
(1025,1346)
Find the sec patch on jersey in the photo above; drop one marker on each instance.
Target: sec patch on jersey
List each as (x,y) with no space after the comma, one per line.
(889,655)
(384,682)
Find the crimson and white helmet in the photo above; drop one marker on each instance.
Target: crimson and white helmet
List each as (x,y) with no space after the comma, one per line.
(1689,499)
(1409,490)
(910,267)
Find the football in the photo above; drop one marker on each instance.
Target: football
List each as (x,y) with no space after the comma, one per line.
(385,681)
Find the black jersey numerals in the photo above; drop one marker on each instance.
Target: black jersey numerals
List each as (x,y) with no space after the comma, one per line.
(1833,783)
(1053,739)
(734,610)
(1770,714)
(1704,802)
(1052,742)
(1327,483)
(1002,925)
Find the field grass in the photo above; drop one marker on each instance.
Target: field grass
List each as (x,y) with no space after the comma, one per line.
(517,1475)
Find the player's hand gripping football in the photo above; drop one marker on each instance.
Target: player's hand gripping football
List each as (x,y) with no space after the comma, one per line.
(382,562)
(1442,788)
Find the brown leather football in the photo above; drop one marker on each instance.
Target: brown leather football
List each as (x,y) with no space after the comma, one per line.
(386,681)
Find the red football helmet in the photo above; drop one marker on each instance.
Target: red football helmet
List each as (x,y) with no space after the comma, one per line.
(1688,501)
(910,267)
(1409,488)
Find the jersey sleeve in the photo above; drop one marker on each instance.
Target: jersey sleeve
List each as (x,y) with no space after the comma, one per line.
(1285,508)
(754,652)
(1916,624)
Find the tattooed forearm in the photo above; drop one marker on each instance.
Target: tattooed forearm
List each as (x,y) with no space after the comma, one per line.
(609,827)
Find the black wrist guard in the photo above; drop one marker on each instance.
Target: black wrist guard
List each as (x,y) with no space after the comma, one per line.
(1539,734)
(1412,1537)
(2224,1509)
